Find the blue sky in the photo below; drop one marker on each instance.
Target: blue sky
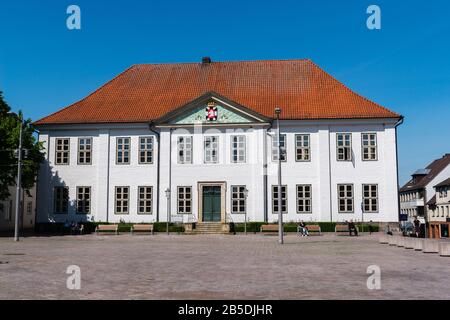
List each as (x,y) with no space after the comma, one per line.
(404,66)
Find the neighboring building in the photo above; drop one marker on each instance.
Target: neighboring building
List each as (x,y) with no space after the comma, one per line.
(27,210)
(439,210)
(417,192)
(206,132)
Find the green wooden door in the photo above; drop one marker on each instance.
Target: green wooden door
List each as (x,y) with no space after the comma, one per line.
(211,203)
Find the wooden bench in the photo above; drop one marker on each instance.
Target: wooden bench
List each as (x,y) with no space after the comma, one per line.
(315,228)
(141,228)
(269,228)
(107,228)
(343,228)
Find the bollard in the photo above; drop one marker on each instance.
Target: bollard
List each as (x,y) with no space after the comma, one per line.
(392,240)
(430,246)
(409,243)
(384,239)
(444,249)
(401,242)
(418,244)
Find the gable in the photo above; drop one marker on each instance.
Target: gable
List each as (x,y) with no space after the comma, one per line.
(211,108)
(223,115)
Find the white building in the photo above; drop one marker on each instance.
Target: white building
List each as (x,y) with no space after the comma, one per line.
(439,210)
(205,131)
(27,210)
(418,191)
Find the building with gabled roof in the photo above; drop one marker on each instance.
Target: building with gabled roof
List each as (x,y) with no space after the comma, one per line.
(418,193)
(195,142)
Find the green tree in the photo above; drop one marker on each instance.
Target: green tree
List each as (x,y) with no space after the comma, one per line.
(9,141)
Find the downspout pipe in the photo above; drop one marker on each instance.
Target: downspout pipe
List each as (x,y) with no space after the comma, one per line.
(399,122)
(158,138)
(265,182)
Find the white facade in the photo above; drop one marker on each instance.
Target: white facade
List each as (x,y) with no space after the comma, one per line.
(27,210)
(323,172)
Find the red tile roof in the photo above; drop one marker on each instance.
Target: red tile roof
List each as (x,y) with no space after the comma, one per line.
(146,92)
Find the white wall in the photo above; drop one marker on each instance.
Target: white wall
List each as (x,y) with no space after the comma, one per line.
(316,172)
(8,210)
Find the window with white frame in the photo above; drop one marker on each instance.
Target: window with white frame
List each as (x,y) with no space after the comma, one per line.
(184,149)
(184,200)
(302,147)
(122,200)
(369,146)
(61,200)
(345,198)
(62,151)
(83,200)
(304,198)
(344,146)
(84,150)
(370,198)
(211,149)
(282,146)
(123,151)
(238,145)
(145,200)
(275,201)
(145,150)
(238,199)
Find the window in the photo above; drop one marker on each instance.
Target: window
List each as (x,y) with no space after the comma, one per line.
(369,146)
(345,198)
(83,200)
(304,198)
(61,198)
(344,146)
(184,200)
(29,207)
(8,216)
(238,199)
(123,151)
(145,200)
(62,151)
(122,200)
(211,149)
(282,146)
(238,149)
(146,150)
(184,149)
(84,151)
(370,198)
(275,199)
(302,147)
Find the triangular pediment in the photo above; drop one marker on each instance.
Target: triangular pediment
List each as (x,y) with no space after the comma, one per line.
(211,109)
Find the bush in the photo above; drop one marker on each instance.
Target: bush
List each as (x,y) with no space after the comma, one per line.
(292,226)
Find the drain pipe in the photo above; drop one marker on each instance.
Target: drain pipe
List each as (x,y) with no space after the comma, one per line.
(158,138)
(399,122)
(266,206)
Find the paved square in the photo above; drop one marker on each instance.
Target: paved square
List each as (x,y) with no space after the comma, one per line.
(217,267)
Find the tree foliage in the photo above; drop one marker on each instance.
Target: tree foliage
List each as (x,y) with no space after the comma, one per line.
(9,141)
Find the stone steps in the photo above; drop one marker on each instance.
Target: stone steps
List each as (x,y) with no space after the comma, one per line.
(210,228)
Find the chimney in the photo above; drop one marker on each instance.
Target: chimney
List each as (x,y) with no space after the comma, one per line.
(206,60)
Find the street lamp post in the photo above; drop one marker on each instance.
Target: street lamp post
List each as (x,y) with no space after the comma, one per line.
(245,196)
(168,209)
(19,178)
(280,212)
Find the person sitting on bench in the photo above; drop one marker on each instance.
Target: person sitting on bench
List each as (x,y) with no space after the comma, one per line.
(303,229)
(352,228)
